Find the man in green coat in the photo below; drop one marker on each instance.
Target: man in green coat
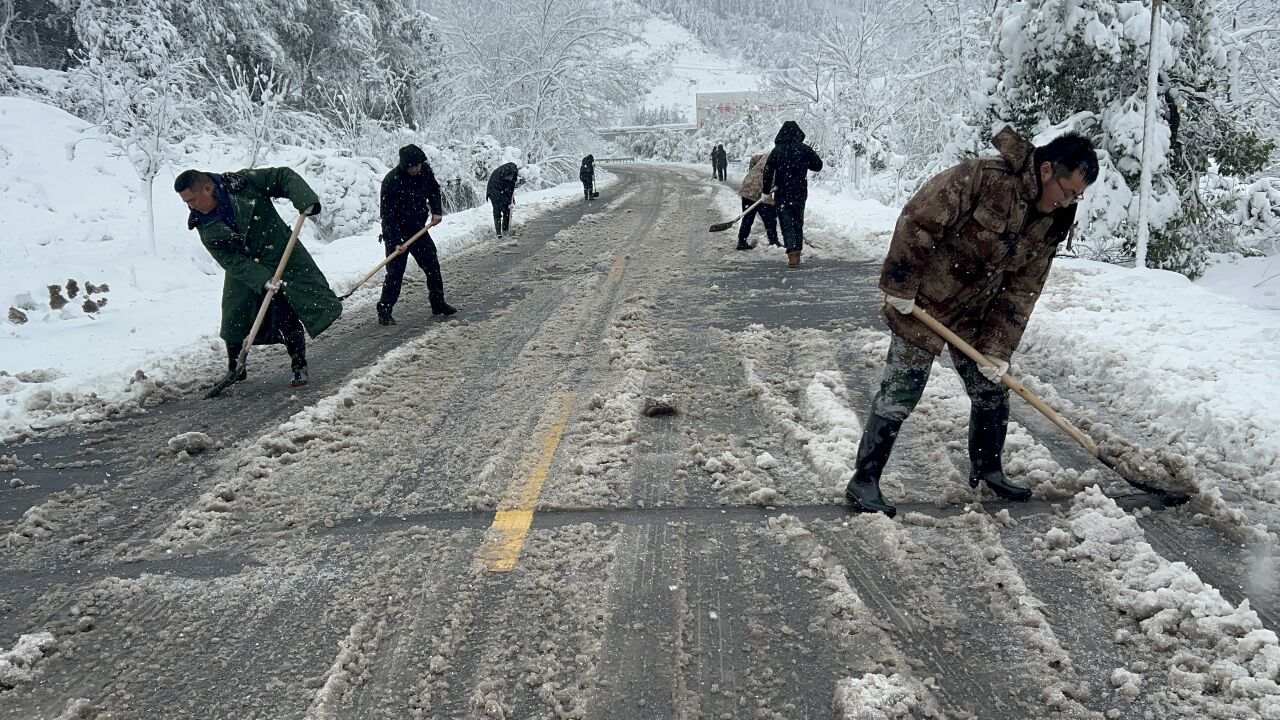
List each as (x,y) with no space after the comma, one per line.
(240,228)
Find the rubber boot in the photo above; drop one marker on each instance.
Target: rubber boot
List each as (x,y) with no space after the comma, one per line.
(863,490)
(297,346)
(440,307)
(987,430)
(742,244)
(233,354)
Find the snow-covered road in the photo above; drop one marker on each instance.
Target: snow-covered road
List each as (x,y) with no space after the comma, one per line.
(493,517)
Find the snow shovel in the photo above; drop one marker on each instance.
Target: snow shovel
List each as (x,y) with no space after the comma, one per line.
(1168,497)
(718,227)
(401,249)
(243,358)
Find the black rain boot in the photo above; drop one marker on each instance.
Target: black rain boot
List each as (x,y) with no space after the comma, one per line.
(233,354)
(384,315)
(440,307)
(863,490)
(742,244)
(987,430)
(297,360)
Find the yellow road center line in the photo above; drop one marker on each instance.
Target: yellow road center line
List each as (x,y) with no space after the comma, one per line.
(505,539)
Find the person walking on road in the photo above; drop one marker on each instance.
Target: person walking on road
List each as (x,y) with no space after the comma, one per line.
(410,201)
(786,177)
(241,229)
(587,174)
(752,190)
(972,248)
(721,163)
(501,191)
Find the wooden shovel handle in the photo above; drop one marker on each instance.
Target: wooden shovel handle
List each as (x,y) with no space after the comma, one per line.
(400,250)
(275,280)
(954,341)
(753,206)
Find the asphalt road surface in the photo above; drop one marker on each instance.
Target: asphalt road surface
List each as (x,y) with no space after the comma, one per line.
(610,487)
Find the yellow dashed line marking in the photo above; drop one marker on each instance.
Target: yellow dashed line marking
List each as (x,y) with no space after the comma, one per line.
(505,539)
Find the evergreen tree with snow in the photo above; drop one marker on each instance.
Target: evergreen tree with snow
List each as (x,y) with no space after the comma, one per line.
(1059,65)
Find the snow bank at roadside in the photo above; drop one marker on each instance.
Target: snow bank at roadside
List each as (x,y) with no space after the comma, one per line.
(72,214)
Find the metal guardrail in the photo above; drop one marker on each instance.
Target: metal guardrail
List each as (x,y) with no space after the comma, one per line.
(616,160)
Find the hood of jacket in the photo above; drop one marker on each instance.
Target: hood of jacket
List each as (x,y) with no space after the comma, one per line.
(1020,155)
(789,133)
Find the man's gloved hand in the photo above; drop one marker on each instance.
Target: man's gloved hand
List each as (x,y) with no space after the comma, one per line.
(435,220)
(273,285)
(902,305)
(993,374)
(311,210)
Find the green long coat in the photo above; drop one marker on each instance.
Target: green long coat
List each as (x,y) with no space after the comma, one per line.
(251,255)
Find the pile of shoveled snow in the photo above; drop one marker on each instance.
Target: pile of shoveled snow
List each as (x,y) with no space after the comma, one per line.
(1216,658)
(19,663)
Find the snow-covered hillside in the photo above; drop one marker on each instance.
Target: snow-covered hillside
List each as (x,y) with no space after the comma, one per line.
(685,67)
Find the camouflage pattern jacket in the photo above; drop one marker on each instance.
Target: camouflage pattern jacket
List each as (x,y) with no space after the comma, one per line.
(753,182)
(973,251)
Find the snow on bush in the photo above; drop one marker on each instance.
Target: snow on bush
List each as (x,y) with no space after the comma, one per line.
(1216,656)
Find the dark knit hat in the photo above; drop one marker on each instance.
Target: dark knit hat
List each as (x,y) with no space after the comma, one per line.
(412,155)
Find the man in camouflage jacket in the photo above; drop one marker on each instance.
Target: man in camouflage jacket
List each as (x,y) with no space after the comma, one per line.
(973,249)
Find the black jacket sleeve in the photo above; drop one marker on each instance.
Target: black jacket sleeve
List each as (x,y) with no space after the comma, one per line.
(388,208)
(815,162)
(433,191)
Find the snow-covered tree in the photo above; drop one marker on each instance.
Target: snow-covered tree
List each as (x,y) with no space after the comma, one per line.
(543,75)
(7,15)
(134,80)
(1061,65)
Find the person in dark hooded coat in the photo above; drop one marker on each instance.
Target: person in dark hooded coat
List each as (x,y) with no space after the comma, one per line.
(786,172)
(587,174)
(501,191)
(410,202)
(721,162)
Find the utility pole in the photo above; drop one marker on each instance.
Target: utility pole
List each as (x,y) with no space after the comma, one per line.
(1148,141)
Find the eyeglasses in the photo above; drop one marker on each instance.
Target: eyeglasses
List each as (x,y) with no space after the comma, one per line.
(1069,196)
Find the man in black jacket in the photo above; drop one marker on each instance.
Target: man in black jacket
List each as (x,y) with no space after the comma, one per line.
(587,174)
(411,199)
(786,172)
(501,191)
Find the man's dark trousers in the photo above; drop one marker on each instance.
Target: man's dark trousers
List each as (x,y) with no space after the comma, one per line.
(501,216)
(791,222)
(768,214)
(424,252)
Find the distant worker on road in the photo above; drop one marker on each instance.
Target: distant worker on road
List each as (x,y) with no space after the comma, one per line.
(786,177)
(752,190)
(501,192)
(587,174)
